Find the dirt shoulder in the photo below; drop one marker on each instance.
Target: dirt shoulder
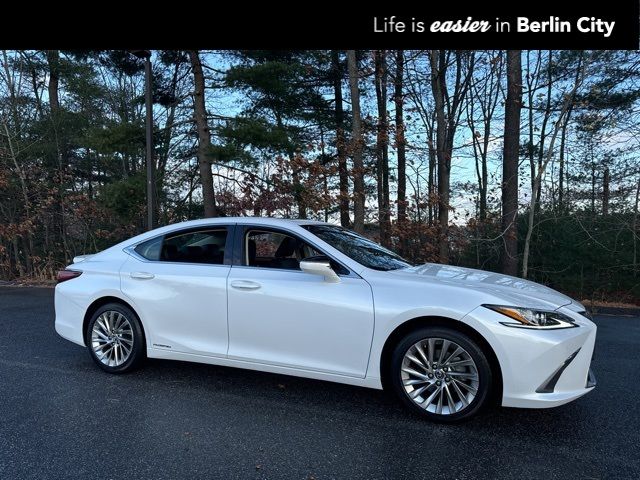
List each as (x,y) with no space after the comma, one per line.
(612,308)
(28,283)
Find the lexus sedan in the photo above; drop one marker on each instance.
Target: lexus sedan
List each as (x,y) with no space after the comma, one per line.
(315,300)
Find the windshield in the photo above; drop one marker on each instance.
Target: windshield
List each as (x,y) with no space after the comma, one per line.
(358,248)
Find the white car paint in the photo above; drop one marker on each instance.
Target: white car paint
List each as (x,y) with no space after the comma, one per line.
(185,303)
(299,320)
(296,323)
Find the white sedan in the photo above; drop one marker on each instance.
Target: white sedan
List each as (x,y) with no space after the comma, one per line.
(315,300)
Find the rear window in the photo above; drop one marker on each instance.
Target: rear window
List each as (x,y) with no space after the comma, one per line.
(150,249)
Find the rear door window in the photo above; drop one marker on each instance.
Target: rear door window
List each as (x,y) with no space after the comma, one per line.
(194,246)
(201,246)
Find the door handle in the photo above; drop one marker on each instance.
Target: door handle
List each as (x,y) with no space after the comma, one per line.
(142,275)
(245,285)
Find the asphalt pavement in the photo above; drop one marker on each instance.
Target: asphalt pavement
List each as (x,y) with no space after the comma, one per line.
(62,417)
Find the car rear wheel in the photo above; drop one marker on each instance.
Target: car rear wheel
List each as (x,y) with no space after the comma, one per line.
(441,374)
(115,338)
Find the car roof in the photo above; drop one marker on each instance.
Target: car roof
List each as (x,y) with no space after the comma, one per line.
(246,220)
(205,222)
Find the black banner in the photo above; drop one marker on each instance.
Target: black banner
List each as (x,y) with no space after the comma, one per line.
(540,24)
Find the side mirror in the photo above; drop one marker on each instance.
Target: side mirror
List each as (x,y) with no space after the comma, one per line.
(320,265)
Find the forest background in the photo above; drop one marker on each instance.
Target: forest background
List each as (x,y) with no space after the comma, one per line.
(525,162)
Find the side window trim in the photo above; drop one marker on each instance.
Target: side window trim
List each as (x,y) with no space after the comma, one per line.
(229,248)
(241,254)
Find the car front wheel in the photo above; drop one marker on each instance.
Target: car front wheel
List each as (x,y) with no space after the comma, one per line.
(440,374)
(115,339)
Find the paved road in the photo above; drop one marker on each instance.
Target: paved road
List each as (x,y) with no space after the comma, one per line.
(60,416)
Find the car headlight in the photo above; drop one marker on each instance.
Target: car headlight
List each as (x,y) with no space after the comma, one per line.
(532,318)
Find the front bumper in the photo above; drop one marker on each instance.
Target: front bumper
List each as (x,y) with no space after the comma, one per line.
(540,368)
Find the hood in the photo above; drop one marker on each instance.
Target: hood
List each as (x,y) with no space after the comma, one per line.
(511,290)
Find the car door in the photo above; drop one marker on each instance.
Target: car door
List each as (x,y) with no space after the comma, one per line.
(280,315)
(178,283)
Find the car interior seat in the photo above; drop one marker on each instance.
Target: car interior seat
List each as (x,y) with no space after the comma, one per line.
(283,255)
(213,254)
(251,252)
(170,253)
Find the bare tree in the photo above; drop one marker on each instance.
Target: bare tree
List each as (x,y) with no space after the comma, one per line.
(357,141)
(382,146)
(341,152)
(418,90)
(447,111)
(562,176)
(568,99)
(606,194)
(204,135)
(634,228)
(509,256)
(401,148)
(53,61)
(58,219)
(483,98)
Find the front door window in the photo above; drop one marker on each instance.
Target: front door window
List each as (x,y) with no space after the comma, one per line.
(271,249)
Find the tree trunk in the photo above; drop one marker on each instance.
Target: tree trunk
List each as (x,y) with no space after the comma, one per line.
(343,174)
(431,184)
(509,254)
(634,229)
(382,147)
(36,92)
(357,141)
(438,86)
(485,173)
(163,154)
(562,160)
(204,136)
(537,193)
(401,149)
(53,60)
(593,184)
(298,188)
(53,88)
(480,152)
(605,192)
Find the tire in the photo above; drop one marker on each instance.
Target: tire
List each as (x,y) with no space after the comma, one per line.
(115,338)
(455,390)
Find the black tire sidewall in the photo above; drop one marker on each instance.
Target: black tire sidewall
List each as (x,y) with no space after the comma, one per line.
(482,364)
(139,345)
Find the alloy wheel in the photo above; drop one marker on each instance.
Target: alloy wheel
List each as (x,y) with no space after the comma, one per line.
(112,338)
(439,376)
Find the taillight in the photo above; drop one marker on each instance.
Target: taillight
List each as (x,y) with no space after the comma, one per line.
(64,275)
